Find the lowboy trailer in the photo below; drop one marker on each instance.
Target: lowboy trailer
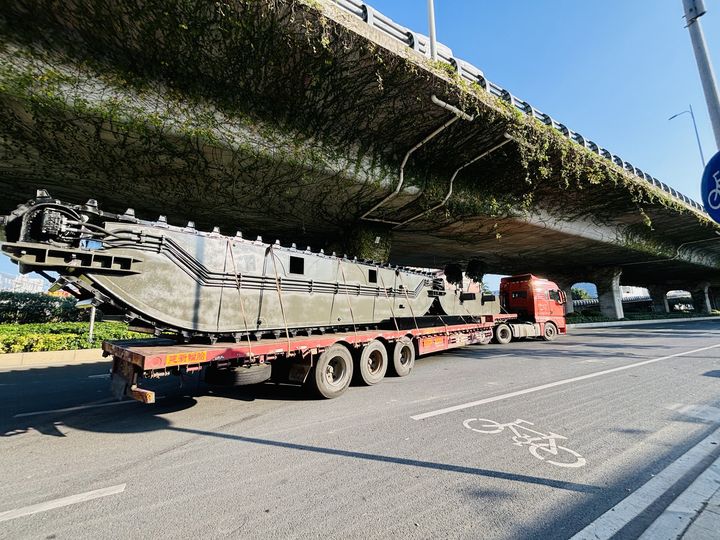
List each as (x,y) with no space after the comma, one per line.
(328,362)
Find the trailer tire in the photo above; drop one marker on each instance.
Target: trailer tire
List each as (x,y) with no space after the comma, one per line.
(239,376)
(503,334)
(550,332)
(403,357)
(371,363)
(332,373)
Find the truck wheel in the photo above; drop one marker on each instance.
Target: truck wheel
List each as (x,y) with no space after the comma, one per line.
(550,331)
(240,376)
(403,357)
(372,363)
(332,373)
(503,334)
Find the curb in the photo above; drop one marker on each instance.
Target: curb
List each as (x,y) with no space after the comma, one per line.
(682,519)
(608,324)
(50,358)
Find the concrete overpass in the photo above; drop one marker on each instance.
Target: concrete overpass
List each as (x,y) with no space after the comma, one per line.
(293,119)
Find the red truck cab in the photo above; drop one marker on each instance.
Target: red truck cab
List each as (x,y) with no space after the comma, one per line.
(534,300)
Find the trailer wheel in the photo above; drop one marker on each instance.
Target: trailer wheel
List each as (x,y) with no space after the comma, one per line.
(332,373)
(240,376)
(550,332)
(503,334)
(372,363)
(403,357)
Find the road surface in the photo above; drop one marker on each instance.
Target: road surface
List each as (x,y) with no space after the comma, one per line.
(424,456)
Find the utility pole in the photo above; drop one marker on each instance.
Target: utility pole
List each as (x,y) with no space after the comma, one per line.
(431,26)
(694,9)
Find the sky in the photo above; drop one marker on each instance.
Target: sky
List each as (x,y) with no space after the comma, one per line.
(612,70)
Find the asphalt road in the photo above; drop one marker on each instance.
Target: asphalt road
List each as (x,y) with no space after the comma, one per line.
(401,459)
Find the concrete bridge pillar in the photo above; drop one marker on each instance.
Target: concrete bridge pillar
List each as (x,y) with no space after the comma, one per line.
(607,282)
(701,298)
(658,293)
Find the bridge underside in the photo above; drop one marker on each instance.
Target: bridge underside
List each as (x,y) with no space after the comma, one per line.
(290,119)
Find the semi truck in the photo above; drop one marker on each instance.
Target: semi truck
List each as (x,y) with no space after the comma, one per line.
(327,363)
(245,311)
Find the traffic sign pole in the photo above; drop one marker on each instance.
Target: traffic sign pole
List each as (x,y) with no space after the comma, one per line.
(694,9)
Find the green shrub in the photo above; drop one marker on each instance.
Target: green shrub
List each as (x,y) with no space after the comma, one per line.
(21,308)
(16,338)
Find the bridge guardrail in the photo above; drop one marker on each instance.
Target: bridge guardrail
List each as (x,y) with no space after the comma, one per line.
(472,74)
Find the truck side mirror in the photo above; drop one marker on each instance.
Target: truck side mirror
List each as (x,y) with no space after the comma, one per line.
(563,297)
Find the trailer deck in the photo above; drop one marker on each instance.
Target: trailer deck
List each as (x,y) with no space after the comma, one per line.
(156,357)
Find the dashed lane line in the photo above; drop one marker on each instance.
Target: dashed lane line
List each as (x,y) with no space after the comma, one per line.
(59,503)
(562,382)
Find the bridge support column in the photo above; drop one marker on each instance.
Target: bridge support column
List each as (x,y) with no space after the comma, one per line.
(658,294)
(701,298)
(607,282)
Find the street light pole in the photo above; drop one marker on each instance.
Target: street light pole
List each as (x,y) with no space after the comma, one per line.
(431,27)
(694,9)
(697,135)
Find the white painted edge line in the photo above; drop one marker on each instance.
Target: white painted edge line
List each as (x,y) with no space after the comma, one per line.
(610,324)
(70,409)
(59,503)
(100,376)
(676,518)
(609,523)
(553,384)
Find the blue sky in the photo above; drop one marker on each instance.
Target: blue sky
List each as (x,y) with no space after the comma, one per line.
(614,70)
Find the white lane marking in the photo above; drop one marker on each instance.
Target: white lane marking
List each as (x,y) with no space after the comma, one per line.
(637,502)
(69,409)
(676,517)
(554,384)
(101,376)
(59,503)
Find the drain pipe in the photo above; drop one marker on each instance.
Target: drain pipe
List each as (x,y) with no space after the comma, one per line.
(508,138)
(457,115)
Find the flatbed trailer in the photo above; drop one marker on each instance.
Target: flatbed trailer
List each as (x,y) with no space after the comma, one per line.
(326,362)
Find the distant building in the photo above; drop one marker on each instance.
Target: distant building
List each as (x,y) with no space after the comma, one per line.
(21,283)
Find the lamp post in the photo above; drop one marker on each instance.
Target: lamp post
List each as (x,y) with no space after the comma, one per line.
(694,9)
(697,136)
(431,28)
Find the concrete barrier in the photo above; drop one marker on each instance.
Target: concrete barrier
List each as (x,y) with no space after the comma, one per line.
(608,324)
(50,358)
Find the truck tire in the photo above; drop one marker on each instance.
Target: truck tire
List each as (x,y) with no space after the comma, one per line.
(371,364)
(239,376)
(550,331)
(503,334)
(332,373)
(403,357)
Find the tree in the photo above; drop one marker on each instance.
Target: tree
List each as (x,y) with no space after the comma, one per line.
(579,294)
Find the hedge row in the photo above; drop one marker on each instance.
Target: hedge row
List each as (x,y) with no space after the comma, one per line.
(16,338)
(21,308)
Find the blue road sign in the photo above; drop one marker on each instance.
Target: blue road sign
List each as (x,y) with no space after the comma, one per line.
(710,187)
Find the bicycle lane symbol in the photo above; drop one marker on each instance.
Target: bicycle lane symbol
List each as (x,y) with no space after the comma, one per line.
(541,445)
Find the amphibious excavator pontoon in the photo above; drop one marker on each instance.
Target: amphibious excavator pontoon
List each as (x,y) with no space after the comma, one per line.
(167,278)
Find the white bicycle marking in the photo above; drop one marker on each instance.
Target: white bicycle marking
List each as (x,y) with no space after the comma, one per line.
(541,445)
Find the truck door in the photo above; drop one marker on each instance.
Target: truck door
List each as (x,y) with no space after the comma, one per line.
(542,308)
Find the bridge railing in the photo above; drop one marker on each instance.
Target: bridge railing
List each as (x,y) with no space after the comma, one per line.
(472,74)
